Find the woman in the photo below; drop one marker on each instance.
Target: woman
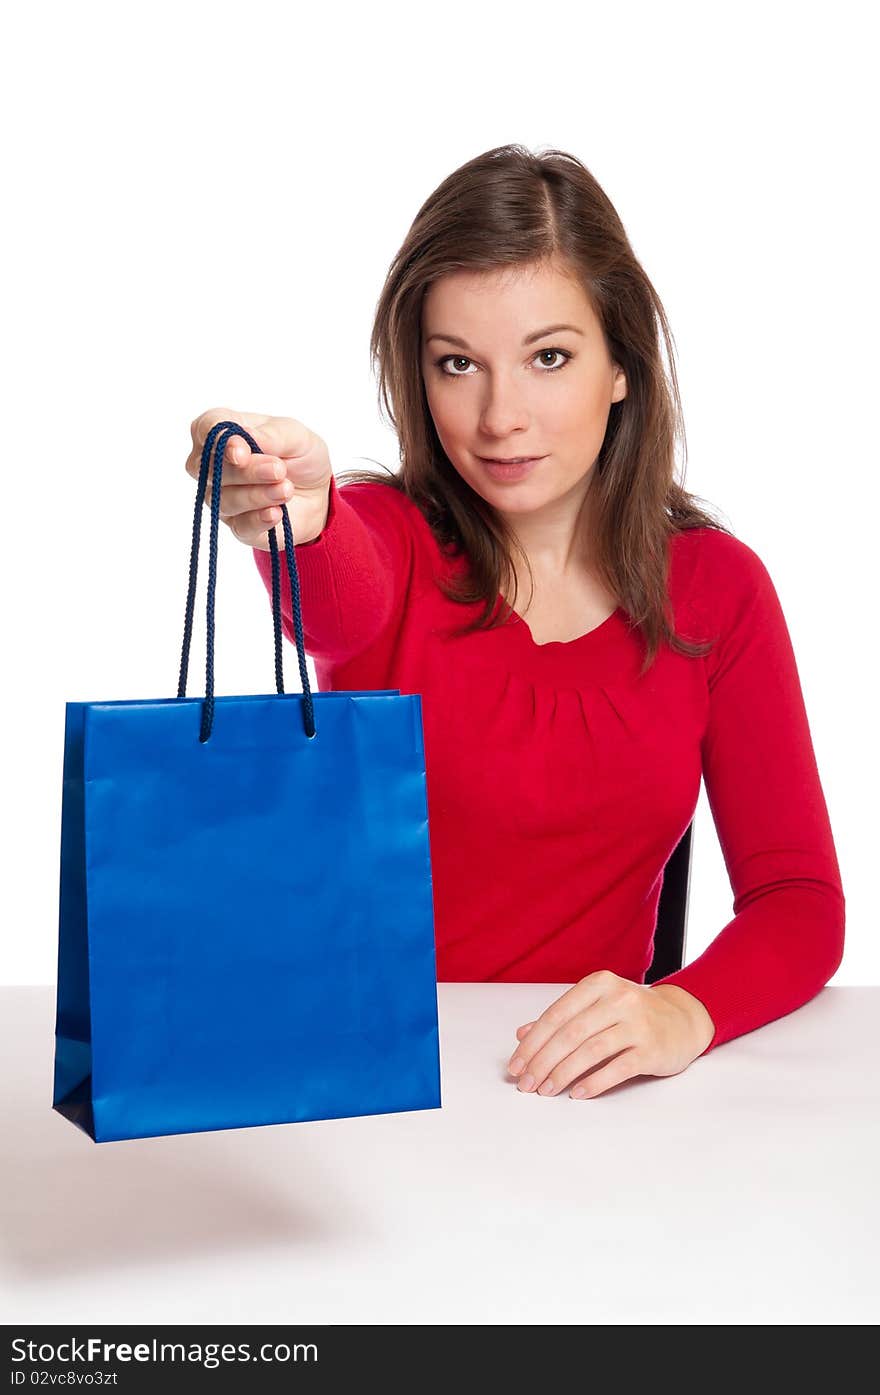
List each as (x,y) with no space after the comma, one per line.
(566,738)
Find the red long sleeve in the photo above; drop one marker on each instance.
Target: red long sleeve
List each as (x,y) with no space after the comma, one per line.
(560,782)
(352,578)
(785,940)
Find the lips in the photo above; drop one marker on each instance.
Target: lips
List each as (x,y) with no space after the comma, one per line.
(501,470)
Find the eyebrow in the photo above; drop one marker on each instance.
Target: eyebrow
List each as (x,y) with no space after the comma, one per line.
(529,339)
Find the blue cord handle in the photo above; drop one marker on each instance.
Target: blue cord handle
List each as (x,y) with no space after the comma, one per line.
(225,430)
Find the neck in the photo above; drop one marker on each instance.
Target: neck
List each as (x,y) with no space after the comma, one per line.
(552,537)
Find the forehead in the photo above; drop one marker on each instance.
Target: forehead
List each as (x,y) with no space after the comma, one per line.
(515,299)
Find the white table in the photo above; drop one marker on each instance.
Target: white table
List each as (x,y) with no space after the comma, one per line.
(744,1190)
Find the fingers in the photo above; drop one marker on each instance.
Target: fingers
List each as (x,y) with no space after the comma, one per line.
(253,486)
(554,1039)
(283,437)
(236,447)
(289,460)
(251,493)
(260,483)
(548,1077)
(251,510)
(237,455)
(623,1067)
(561,1019)
(253,529)
(256,424)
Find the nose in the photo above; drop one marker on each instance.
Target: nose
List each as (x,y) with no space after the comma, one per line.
(504,410)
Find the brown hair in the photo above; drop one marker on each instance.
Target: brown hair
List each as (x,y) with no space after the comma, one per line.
(510,207)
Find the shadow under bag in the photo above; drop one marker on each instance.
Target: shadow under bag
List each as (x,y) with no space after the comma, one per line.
(246,921)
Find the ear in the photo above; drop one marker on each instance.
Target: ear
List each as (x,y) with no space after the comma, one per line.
(619,389)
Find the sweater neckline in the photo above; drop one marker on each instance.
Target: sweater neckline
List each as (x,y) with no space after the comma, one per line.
(596,633)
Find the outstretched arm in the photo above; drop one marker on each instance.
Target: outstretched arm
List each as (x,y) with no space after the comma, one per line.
(353,576)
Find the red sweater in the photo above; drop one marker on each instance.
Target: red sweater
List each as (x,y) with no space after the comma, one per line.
(559,782)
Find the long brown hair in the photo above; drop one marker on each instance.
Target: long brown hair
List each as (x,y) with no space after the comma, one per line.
(510,207)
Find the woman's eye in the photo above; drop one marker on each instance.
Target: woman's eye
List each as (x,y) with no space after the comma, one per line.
(542,353)
(555,353)
(453,358)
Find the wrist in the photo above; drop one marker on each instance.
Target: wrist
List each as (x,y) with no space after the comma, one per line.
(702,1024)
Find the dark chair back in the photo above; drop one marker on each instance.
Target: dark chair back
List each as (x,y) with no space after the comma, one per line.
(671,933)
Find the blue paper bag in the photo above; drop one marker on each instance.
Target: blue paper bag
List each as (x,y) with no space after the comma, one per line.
(246,921)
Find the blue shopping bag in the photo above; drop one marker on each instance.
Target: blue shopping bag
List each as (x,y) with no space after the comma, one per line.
(246,920)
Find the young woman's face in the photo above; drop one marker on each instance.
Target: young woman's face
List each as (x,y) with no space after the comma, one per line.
(497,387)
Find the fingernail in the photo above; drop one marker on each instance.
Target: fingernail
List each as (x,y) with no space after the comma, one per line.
(516,1066)
(526,1082)
(547,1088)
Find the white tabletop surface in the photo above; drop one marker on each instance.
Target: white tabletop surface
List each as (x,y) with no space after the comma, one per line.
(744,1190)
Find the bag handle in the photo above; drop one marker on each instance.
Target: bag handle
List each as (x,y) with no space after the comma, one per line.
(222,433)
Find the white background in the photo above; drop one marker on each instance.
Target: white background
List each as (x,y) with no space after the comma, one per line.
(202,201)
